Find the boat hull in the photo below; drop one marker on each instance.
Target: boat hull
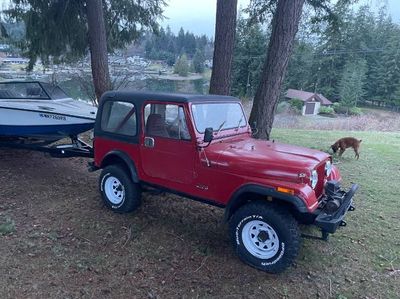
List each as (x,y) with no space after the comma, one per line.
(41,124)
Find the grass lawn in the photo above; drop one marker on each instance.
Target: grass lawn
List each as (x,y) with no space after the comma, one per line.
(207,74)
(154,67)
(361,260)
(57,240)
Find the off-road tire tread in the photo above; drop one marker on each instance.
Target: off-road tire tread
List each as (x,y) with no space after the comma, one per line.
(132,190)
(284,217)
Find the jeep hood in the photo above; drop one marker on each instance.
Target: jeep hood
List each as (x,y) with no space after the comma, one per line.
(265,159)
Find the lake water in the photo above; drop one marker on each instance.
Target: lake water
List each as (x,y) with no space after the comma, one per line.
(80,90)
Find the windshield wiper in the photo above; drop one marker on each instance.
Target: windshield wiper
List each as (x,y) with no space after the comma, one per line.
(240,121)
(220,127)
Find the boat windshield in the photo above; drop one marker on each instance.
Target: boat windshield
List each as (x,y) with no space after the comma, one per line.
(30,90)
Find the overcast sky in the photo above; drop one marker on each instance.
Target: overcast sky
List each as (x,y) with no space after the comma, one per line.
(199,16)
(195,16)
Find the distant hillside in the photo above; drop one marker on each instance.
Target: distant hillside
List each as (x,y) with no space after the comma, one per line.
(13,31)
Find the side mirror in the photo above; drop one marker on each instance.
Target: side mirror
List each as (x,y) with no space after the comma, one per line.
(208,135)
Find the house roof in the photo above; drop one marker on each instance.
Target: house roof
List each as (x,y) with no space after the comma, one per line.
(306,96)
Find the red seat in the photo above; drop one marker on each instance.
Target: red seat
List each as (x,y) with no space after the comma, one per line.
(155,126)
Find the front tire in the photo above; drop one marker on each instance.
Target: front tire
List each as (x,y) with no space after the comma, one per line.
(118,191)
(265,236)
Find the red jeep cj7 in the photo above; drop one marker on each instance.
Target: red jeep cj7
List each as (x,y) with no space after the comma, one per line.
(201,147)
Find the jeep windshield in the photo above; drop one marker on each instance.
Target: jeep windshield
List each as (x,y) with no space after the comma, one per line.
(219,116)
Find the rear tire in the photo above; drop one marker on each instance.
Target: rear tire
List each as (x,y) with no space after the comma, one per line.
(265,236)
(118,191)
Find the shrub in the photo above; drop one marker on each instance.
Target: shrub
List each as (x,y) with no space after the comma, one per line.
(355,111)
(282,107)
(340,109)
(198,62)
(182,66)
(326,110)
(296,105)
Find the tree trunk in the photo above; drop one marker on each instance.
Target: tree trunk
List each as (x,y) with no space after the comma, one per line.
(225,28)
(285,23)
(98,47)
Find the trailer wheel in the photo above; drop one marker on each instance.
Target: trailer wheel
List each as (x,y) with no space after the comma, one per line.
(265,236)
(118,191)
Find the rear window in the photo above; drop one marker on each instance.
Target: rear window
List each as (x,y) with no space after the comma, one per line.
(119,118)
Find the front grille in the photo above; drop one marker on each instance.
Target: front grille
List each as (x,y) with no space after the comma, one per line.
(319,189)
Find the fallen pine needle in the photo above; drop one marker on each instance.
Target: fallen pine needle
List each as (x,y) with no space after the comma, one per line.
(201,265)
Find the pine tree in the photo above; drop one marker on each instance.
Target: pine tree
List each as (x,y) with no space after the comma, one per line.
(190,43)
(98,47)
(225,28)
(249,55)
(375,74)
(198,61)
(396,99)
(285,24)
(180,41)
(390,66)
(182,66)
(165,46)
(300,68)
(351,85)
(59,31)
(329,62)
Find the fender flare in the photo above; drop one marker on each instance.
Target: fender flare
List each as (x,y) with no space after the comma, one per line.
(128,162)
(236,200)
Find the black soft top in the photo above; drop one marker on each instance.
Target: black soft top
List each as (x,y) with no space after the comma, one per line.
(139,97)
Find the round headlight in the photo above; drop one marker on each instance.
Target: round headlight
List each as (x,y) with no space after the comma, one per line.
(328,168)
(314,178)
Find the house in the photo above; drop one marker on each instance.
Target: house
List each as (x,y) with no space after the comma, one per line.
(312,101)
(15,60)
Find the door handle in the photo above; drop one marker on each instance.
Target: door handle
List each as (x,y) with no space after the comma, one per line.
(149,142)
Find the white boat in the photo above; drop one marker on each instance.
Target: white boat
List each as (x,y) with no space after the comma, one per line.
(43,111)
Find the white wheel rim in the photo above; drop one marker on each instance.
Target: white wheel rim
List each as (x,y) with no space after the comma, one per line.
(260,239)
(114,190)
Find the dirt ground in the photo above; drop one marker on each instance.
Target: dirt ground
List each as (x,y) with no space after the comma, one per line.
(66,244)
(59,241)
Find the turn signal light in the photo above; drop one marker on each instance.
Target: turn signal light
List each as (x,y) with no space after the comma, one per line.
(285,190)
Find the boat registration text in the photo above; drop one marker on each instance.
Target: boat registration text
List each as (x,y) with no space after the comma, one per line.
(52,116)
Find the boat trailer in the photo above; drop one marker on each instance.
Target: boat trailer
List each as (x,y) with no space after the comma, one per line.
(77,147)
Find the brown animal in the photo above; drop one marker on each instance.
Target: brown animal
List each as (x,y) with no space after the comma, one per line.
(342,144)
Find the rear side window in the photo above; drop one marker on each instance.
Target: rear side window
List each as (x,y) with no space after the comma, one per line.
(119,118)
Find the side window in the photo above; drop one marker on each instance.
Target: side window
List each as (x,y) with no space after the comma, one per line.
(119,118)
(166,120)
